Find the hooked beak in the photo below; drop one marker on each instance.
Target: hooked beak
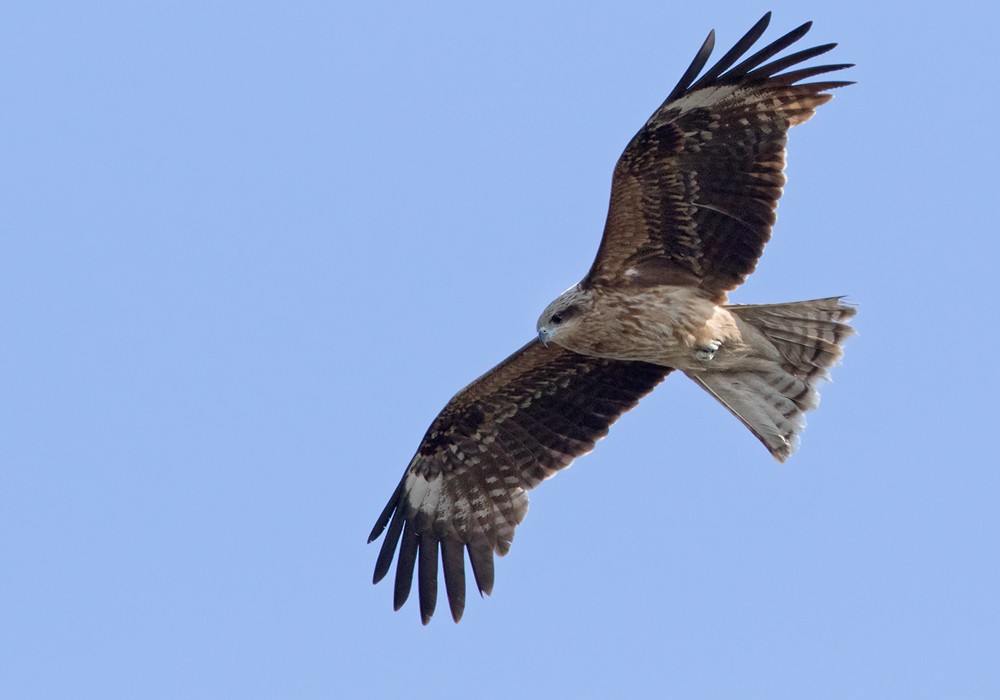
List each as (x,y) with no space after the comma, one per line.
(544,335)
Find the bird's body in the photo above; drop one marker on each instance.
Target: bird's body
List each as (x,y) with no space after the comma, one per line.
(661,324)
(757,369)
(693,200)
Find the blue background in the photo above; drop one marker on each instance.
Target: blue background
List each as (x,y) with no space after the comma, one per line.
(248,251)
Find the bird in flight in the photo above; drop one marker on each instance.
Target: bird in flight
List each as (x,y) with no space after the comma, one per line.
(693,200)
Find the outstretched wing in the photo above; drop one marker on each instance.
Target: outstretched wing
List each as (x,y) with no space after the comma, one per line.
(520,423)
(694,193)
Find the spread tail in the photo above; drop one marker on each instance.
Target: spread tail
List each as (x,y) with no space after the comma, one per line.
(793,347)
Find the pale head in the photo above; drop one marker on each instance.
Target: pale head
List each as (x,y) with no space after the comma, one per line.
(562,315)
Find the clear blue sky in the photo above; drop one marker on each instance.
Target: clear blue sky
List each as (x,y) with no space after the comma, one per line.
(249,251)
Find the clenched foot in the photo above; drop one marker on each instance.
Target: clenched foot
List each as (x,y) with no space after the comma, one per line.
(706,353)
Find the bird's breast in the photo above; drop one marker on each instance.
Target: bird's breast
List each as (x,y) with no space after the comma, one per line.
(657,324)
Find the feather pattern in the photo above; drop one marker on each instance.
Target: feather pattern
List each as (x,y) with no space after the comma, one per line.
(692,205)
(694,194)
(802,340)
(465,489)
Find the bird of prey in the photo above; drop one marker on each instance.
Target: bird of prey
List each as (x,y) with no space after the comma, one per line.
(693,200)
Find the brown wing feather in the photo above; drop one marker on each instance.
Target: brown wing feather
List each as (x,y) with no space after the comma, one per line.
(464,490)
(694,193)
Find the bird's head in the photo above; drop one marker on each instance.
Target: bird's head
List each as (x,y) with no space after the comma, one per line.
(561,316)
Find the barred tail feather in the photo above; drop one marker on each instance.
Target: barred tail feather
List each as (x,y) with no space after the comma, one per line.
(772,390)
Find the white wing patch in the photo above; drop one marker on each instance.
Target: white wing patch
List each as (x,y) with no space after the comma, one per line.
(705,97)
(422,494)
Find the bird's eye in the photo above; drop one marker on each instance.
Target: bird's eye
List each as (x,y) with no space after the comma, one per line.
(557,319)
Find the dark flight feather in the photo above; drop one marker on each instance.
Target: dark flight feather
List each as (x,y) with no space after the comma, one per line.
(692,204)
(724,63)
(502,435)
(694,194)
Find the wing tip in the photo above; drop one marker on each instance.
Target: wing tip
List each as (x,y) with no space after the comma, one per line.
(453,561)
(427,573)
(387,512)
(753,68)
(695,67)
